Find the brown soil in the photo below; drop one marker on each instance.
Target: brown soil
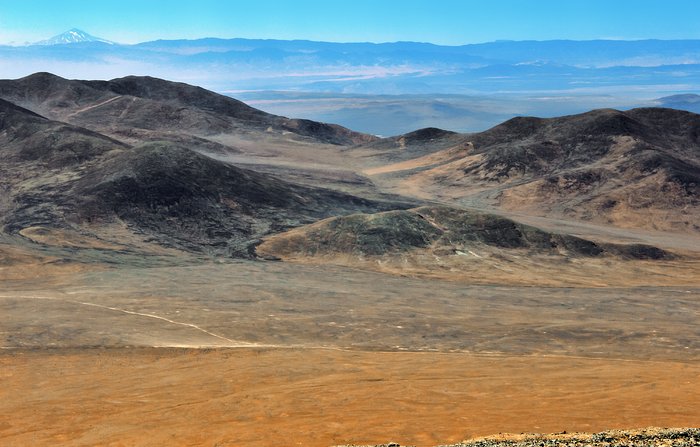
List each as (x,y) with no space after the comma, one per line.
(326,397)
(519,269)
(479,248)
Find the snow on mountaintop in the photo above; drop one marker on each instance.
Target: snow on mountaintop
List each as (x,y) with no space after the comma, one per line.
(72,36)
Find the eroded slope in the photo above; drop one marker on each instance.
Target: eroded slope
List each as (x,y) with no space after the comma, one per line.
(476,247)
(61,178)
(635,169)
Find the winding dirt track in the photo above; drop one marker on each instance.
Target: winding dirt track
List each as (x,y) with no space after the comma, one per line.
(495,358)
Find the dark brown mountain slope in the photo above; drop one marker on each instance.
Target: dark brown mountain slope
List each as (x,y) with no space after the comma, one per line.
(408,146)
(191,201)
(475,248)
(444,231)
(57,178)
(146,108)
(639,168)
(525,145)
(28,137)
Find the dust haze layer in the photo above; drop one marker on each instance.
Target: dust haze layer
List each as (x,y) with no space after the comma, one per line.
(393,88)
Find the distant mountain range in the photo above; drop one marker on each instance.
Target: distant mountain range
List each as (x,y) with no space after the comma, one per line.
(562,66)
(479,84)
(689,102)
(581,54)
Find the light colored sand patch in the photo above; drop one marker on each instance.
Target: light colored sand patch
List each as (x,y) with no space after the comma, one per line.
(436,158)
(66,238)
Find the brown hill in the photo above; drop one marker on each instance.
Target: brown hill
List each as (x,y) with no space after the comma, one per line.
(29,137)
(146,108)
(57,177)
(408,146)
(474,247)
(442,229)
(639,168)
(191,201)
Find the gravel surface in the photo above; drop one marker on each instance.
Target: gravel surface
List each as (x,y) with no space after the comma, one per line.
(652,437)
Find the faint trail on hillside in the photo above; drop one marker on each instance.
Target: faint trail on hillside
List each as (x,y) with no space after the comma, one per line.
(129,312)
(157,317)
(94,106)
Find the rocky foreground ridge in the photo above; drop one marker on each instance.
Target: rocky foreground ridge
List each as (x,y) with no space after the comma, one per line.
(651,437)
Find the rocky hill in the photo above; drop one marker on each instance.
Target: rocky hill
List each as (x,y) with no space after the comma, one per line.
(60,177)
(442,229)
(639,168)
(146,108)
(683,437)
(473,247)
(129,153)
(411,145)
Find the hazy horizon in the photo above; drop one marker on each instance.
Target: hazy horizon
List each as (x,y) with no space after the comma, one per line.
(523,58)
(443,23)
(388,42)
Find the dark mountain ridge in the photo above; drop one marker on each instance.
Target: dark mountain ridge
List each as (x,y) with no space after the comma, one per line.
(61,177)
(536,145)
(443,230)
(10,113)
(604,164)
(192,201)
(29,137)
(158,105)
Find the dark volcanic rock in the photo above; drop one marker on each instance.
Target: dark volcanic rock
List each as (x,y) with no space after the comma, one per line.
(143,102)
(11,114)
(61,176)
(440,229)
(369,234)
(427,134)
(534,146)
(192,201)
(28,137)
(635,168)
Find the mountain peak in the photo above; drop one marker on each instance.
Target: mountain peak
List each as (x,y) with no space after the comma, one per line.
(72,36)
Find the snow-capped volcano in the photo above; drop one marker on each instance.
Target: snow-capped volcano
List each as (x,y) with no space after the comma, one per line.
(72,36)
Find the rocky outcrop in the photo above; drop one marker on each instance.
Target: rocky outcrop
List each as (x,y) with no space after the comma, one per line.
(681,437)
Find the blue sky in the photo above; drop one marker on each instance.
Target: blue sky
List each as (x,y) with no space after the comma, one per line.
(450,22)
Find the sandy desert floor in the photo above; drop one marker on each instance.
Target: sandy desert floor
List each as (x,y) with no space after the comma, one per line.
(263,354)
(315,397)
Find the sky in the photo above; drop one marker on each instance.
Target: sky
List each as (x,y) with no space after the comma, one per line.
(447,22)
